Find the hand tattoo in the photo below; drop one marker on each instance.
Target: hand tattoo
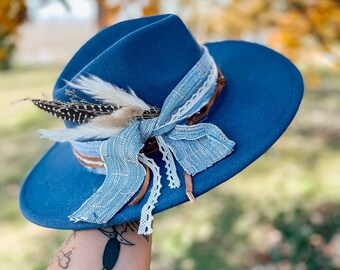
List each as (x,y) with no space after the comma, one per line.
(61,257)
(64,258)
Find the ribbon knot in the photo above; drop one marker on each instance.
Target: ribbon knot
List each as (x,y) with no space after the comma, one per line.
(195,148)
(151,128)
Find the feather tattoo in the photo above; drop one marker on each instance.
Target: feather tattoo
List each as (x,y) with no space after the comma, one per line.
(119,108)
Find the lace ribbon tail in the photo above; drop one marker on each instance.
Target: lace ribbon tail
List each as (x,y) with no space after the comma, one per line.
(145,224)
(170,165)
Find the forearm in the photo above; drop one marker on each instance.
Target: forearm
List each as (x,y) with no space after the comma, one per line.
(117,248)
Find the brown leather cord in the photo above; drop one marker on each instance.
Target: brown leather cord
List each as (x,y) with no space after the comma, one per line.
(221,83)
(188,187)
(97,159)
(144,187)
(88,165)
(82,159)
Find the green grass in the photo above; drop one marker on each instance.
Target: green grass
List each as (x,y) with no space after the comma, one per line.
(267,216)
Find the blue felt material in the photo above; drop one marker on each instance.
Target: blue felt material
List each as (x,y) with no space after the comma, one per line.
(151,55)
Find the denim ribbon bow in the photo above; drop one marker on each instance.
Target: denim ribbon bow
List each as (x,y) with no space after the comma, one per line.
(195,148)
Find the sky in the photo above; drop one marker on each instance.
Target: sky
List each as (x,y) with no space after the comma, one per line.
(87,9)
(79,10)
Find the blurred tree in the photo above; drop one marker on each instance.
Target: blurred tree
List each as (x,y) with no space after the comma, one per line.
(106,13)
(306,31)
(307,239)
(12,14)
(301,29)
(65,3)
(109,10)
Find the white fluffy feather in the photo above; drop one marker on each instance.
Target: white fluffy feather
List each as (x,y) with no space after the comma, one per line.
(101,127)
(107,92)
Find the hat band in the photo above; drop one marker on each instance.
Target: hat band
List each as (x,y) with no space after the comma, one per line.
(88,154)
(195,148)
(97,165)
(88,161)
(84,151)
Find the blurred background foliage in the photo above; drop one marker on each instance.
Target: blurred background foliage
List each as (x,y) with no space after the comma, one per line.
(283,212)
(12,15)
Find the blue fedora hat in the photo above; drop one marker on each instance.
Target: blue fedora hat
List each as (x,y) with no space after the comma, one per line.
(84,182)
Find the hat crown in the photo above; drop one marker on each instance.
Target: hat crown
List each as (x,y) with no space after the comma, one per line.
(149,55)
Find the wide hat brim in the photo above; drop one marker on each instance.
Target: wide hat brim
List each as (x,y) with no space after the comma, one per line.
(263,93)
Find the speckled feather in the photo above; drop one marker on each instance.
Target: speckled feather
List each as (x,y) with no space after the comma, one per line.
(83,113)
(74,112)
(118,109)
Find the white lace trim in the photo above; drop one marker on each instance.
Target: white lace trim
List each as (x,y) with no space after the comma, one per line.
(198,95)
(170,165)
(145,224)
